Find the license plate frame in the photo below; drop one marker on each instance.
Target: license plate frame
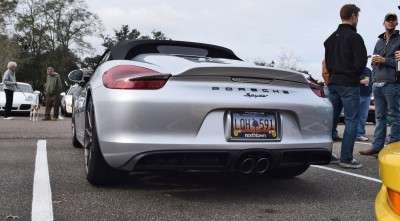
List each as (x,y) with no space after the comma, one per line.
(252,126)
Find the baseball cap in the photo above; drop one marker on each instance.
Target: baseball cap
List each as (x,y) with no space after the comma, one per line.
(391,15)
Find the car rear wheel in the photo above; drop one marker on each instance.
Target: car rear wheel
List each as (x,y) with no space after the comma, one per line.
(97,170)
(289,172)
(75,141)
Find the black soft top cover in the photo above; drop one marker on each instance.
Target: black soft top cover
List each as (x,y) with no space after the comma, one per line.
(126,50)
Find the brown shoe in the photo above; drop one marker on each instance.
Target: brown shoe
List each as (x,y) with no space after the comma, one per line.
(54,119)
(370,151)
(46,118)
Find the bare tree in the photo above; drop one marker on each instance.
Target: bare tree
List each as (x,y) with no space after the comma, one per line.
(263,62)
(7,7)
(288,61)
(70,22)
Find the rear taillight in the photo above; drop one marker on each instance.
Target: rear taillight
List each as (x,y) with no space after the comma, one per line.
(134,77)
(394,200)
(317,89)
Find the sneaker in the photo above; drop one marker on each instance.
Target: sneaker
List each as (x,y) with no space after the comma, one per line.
(362,138)
(334,159)
(8,118)
(353,164)
(337,139)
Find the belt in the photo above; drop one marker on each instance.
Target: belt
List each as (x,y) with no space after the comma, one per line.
(380,84)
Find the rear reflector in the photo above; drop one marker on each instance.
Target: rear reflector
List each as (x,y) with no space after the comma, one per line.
(134,77)
(394,200)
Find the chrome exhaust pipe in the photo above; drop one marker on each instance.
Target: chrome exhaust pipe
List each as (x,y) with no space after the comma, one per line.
(248,165)
(262,165)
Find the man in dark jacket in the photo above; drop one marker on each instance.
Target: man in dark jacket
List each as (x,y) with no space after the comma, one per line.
(386,87)
(53,90)
(346,59)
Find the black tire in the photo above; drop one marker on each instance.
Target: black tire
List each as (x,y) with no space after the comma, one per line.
(97,170)
(289,172)
(75,141)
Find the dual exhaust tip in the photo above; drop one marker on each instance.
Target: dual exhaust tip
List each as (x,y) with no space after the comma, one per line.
(257,165)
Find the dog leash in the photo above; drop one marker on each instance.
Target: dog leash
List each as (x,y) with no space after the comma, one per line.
(16,85)
(26,98)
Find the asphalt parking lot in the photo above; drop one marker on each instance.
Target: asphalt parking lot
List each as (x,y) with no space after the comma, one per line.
(322,193)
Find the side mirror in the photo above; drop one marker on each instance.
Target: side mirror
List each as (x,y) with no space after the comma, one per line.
(76,76)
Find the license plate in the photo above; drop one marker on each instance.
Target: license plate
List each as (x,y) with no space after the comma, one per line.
(254,126)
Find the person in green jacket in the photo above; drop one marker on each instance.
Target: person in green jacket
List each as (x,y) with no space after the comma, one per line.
(53,90)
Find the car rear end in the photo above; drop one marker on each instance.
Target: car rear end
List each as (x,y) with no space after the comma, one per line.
(211,117)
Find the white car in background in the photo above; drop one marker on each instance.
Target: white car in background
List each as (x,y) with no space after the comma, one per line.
(66,101)
(24,98)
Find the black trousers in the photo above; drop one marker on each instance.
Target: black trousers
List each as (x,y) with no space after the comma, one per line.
(9,101)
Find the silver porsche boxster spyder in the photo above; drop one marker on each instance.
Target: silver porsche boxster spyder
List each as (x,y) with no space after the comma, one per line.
(153,105)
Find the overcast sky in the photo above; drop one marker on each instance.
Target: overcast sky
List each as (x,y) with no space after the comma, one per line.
(253,29)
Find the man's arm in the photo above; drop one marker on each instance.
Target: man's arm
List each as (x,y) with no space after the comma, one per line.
(360,55)
(59,84)
(325,73)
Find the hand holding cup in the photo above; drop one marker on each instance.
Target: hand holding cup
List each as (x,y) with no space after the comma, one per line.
(377,59)
(397,55)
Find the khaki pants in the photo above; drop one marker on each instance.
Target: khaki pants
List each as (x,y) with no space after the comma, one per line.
(52,101)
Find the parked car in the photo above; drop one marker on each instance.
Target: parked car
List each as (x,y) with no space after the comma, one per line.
(155,105)
(387,203)
(23,99)
(66,101)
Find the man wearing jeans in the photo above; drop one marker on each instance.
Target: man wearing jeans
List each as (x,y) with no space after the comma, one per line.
(346,58)
(365,101)
(386,86)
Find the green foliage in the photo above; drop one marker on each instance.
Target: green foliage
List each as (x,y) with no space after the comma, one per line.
(120,35)
(125,34)
(10,51)
(52,33)
(90,62)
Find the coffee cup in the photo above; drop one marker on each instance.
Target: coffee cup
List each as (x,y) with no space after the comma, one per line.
(374,63)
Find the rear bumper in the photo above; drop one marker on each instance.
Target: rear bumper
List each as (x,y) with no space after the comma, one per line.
(223,160)
(18,107)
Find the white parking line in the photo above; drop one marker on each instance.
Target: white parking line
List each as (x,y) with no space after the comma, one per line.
(347,173)
(42,207)
(363,143)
